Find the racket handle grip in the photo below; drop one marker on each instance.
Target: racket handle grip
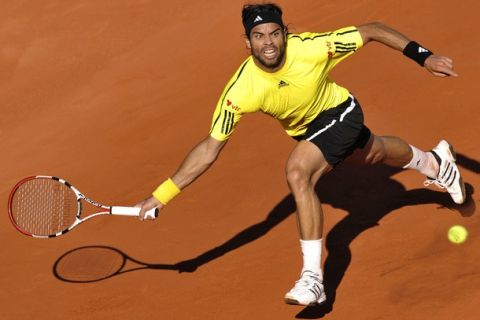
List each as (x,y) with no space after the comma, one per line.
(133,211)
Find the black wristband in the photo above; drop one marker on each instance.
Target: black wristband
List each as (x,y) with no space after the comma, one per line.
(416,52)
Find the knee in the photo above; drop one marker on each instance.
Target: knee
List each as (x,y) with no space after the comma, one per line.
(377,157)
(378,153)
(297,177)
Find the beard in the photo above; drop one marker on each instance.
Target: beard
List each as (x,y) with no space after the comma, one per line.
(270,64)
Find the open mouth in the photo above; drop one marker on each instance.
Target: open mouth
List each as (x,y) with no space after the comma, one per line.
(270,53)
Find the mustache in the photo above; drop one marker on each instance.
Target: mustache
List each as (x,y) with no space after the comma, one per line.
(270,47)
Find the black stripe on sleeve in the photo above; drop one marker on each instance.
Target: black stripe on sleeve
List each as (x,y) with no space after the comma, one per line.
(310,38)
(226,92)
(349,44)
(228,125)
(345,32)
(345,48)
(232,119)
(225,115)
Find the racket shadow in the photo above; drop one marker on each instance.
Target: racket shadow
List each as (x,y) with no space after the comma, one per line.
(97,263)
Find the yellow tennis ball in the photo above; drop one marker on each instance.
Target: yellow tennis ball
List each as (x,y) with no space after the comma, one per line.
(457,234)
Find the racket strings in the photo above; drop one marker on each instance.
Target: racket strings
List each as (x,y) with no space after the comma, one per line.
(89,264)
(44,207)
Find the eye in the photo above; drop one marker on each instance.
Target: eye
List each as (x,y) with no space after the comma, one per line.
(257,36)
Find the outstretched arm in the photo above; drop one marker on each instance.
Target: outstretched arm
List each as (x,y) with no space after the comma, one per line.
(437,65)
(196,162)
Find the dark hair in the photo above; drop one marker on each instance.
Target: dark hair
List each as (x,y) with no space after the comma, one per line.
(250,11)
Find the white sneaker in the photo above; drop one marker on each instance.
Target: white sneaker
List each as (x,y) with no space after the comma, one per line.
(448,176)
(308,290)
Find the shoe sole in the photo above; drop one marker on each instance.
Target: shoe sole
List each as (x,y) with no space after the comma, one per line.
(292,301)
(460,180)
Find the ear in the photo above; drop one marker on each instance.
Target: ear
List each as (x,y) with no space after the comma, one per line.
(247,43)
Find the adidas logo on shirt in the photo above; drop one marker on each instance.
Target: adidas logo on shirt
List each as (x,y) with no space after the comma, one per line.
(282,84)
(258,18)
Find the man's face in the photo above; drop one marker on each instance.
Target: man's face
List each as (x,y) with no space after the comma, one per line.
(267,43)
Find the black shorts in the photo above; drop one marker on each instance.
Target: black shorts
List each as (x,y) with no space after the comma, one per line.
(337,132)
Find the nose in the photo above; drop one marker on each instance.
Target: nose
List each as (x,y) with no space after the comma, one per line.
(268,39)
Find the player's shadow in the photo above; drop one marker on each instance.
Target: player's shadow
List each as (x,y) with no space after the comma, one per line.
(366,193)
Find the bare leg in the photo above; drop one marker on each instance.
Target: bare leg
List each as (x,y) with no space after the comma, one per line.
(305,166)
(439,165)
(392,151)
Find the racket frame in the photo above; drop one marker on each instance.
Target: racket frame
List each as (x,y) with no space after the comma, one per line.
(108,210)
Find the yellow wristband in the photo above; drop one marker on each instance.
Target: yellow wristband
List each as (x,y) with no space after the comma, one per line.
(166,191)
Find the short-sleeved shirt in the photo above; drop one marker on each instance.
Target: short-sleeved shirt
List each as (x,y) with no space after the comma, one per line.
(297,93)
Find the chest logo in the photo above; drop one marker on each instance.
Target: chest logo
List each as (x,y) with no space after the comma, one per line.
(282,84)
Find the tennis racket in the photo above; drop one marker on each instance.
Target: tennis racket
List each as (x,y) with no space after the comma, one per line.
(47,207)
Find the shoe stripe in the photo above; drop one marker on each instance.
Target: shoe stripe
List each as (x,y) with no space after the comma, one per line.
(446,170)
(450,171)
(437,157)
(318,290)
(453,180)
(315,293)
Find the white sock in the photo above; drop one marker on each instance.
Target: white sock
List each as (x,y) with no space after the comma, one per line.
(312,255)
(423,162)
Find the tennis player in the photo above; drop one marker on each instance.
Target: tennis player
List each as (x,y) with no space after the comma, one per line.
(287,77)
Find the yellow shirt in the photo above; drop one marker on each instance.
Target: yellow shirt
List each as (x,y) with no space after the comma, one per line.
(297,93)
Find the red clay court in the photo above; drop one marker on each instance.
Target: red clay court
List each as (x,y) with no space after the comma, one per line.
(111,95)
